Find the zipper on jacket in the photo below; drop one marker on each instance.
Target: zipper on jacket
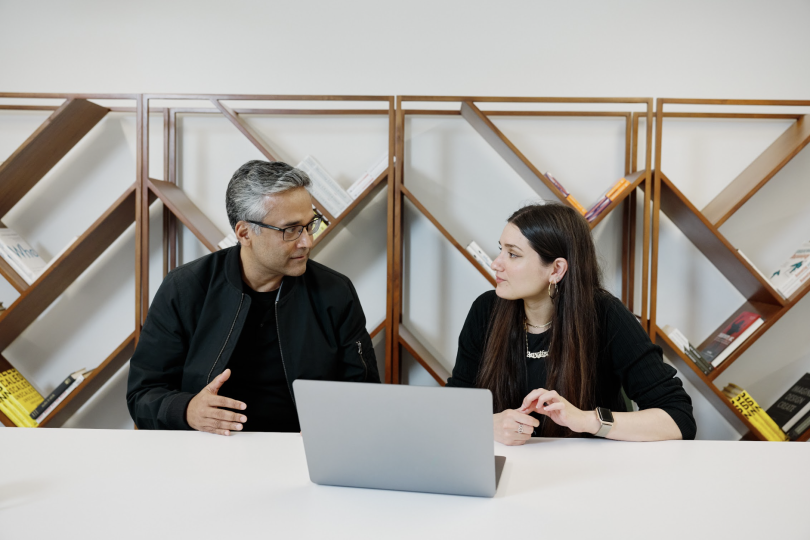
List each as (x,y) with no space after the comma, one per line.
(280,351)
(360,353)
(241,300)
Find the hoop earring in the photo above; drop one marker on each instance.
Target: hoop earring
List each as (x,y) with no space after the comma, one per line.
(552,295)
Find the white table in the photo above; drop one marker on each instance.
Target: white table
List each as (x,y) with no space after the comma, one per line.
(66,483)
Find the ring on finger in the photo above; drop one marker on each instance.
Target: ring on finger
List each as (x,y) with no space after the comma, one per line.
(520,428)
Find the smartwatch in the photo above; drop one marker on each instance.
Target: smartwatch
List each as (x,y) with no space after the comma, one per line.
(606,419)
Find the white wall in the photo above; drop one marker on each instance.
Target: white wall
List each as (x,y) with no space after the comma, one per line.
(722,49)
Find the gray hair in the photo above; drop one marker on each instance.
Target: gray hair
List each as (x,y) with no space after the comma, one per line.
(244,198)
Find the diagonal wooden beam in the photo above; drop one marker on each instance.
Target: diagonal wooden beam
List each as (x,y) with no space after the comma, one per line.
(187,212)
(242,126)
(45,147)
(509,152)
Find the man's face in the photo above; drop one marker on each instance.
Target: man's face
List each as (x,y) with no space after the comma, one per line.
(268,249)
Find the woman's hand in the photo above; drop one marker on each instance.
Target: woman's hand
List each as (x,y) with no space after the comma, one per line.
(556,407)
(513,428)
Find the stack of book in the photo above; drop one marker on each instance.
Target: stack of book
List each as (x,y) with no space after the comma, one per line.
(758,418)
(608,197)
(793,272)
(689,350)
(791,412)
(374,172)
(324,188)
(46,406)
(20,256)
(18,399)
(568,197)
(731,337)
(481,257)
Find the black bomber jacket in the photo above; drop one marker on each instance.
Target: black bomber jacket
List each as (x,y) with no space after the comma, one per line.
(197,315)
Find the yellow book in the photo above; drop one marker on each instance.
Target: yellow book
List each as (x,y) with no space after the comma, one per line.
(19,387)
(748,407)
(320,230)
(763,416)
(617,188)
(10,410)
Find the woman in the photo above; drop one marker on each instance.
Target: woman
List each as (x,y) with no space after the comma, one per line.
(553,346)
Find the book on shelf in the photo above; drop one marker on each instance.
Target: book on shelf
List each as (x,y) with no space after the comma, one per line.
(374,172)
(20,256)
(68,385)
(794,405)
(20,396)
(755,414)
(321,228)
(800,428)
(731,337)
(606,198)
(480,257)
(793,272)
(568,197)
(688,349)
(324,187)
(763,276)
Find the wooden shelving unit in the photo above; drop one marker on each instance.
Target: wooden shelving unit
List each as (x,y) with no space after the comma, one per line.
(480,118)
(701,227)
(64,128)
(179,207)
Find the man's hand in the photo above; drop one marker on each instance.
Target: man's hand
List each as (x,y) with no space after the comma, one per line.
(204,412)
(513,428)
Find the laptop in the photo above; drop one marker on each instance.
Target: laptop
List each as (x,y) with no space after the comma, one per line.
(406,438)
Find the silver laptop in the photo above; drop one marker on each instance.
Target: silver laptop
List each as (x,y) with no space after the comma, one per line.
(408,438)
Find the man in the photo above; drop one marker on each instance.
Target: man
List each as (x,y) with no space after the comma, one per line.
(227,334)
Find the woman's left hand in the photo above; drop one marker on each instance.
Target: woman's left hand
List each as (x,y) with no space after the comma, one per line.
(556,407)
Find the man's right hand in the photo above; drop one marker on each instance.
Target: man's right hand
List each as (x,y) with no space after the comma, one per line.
(204,412)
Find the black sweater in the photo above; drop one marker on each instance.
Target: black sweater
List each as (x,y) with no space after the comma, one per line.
(627,358)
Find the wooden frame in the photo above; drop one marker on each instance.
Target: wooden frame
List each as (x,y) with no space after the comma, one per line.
(701,227)
(64,128)
(480,120)
(178,206)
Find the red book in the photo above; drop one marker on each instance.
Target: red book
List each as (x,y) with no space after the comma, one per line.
(731,337)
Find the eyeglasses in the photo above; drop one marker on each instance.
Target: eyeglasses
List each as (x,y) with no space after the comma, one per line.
(291,234)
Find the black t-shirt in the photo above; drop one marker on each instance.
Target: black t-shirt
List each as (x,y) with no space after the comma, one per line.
(626,358)
(257,372)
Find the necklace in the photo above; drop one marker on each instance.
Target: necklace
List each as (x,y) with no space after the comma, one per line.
(541,354)
(541,327)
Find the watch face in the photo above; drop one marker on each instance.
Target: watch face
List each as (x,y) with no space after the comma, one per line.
(605,415)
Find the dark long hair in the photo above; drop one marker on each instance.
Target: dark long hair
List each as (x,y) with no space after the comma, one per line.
(553,231)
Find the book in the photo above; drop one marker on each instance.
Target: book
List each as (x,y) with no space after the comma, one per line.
(689,350)
(800,428)
(763,276)
(793,405)
(19,397)
(608,197)
(751,410)
(480,257)
(324,187)
(19,387)
(75,379)
(20,256)
(793,272)
(322,228)
(12,411)
(374,172)
(731,337)
(568,197)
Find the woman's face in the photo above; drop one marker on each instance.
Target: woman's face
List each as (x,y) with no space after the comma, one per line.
(519,271)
